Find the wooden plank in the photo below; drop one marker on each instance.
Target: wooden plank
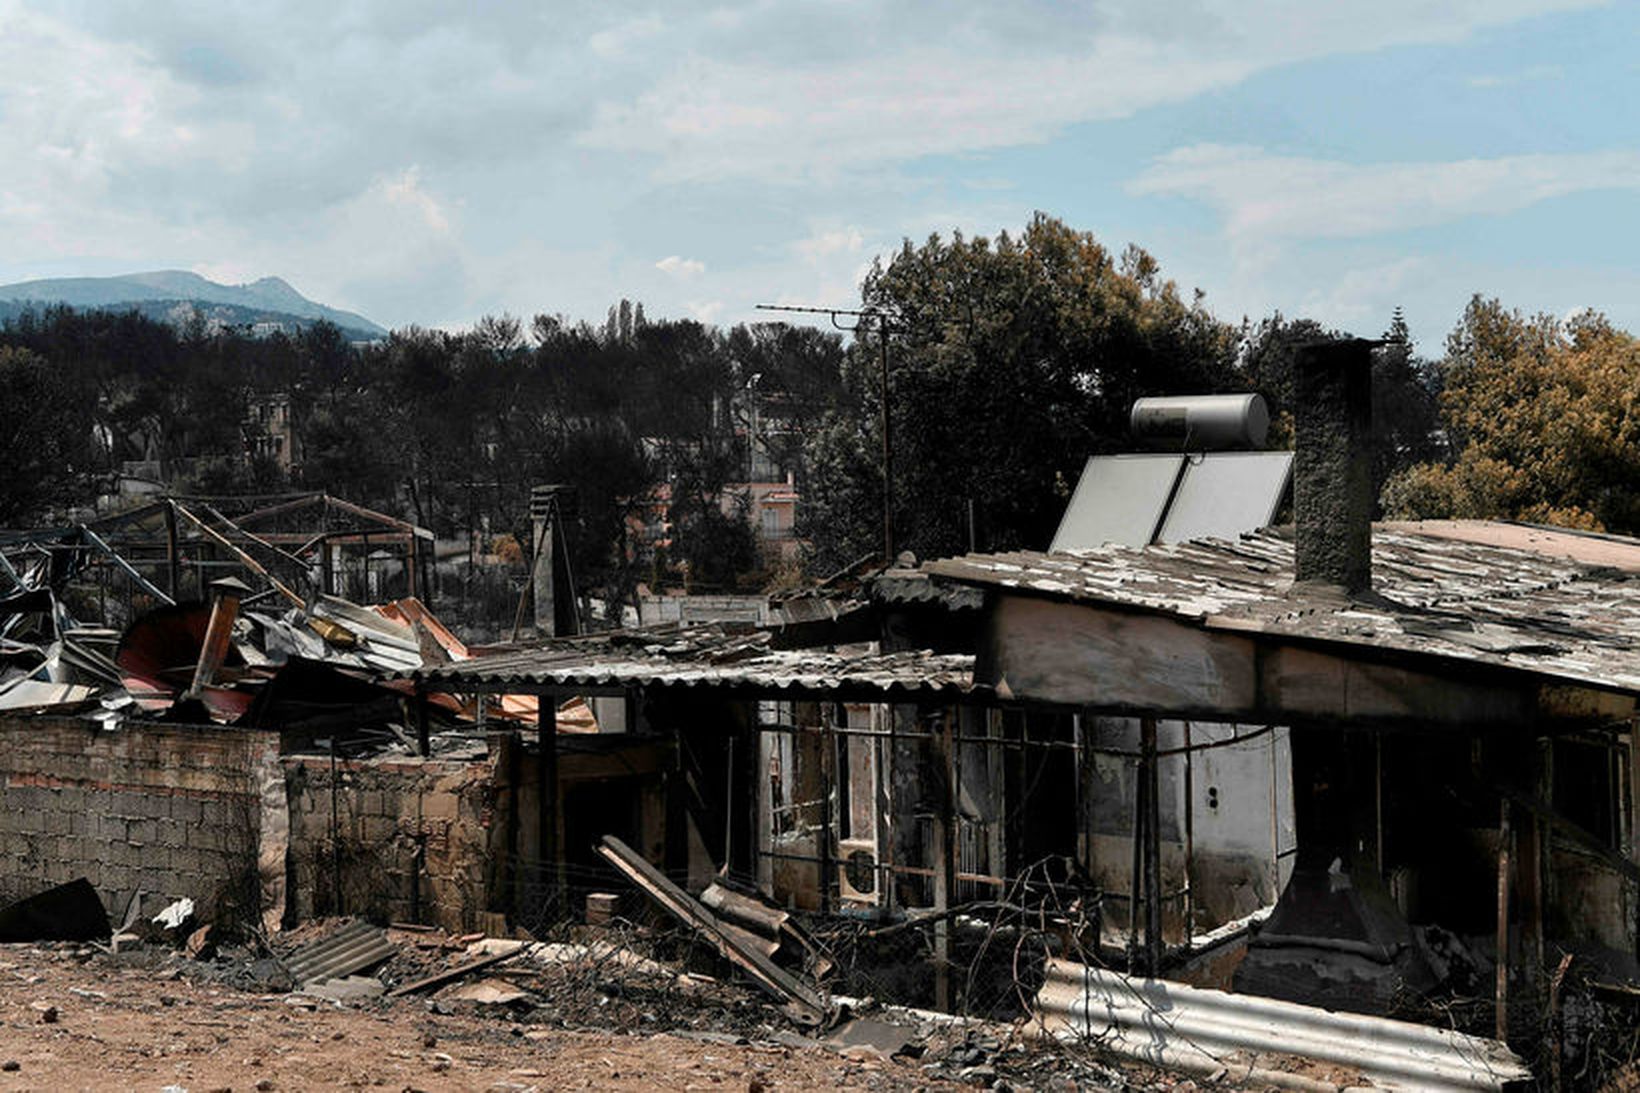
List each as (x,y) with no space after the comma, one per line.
(777,981)
(438,979)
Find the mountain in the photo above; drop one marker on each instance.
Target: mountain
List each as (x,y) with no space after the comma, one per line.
(270,300)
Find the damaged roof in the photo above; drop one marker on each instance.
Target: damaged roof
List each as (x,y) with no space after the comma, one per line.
(705,656)
(1549,602)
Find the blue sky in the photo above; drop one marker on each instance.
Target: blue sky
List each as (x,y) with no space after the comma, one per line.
(421,163)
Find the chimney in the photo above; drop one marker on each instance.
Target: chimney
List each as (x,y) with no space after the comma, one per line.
(1332,468)
(556,614)
(225,596)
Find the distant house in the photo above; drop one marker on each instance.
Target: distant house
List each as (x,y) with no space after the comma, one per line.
(269,430)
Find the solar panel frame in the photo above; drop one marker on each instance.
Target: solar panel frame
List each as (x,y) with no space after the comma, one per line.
(1226,494)
(1119,499)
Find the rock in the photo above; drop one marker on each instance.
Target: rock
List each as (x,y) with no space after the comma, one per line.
(199,944)
(490,992)
(267,975)
(264,1084)
(977,1075)
(47,1012)
(11,1066)
(350,989)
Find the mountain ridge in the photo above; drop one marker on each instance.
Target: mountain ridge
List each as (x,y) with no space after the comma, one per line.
(272,295)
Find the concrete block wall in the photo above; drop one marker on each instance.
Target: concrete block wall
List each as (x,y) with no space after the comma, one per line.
(169,810)
(400,840)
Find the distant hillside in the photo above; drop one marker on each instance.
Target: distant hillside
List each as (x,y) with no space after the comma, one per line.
(165,294)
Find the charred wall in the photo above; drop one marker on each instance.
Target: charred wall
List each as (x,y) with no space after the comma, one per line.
(393,839)
(170,810)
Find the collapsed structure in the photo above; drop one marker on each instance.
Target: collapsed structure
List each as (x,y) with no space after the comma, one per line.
(1329,764)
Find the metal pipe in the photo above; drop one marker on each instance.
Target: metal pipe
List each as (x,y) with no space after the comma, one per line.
(888,450)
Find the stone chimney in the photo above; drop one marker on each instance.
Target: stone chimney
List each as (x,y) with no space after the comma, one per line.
(1332,468)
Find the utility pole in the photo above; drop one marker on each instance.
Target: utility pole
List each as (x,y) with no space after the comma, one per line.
(861,319)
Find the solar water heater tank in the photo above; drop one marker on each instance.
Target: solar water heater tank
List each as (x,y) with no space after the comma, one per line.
(1201,423)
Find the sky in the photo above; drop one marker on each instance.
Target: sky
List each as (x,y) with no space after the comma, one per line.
(433,163)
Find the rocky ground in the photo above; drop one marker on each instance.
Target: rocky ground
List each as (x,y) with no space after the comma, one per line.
(74,1016)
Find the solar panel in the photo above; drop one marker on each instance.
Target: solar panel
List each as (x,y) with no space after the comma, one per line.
(1119,499)
(1224,494)
(1124,499)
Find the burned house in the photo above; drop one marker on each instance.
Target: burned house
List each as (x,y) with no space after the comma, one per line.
(1459,700)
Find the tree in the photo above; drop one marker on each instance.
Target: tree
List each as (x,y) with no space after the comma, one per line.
(45,438)
(1404,389)
(1013,360)
(1544,418)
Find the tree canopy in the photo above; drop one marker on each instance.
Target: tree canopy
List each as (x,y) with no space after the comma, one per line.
(1012,361)
(1543,418)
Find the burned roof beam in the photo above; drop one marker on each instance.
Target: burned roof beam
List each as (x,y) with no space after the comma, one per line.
(142,582)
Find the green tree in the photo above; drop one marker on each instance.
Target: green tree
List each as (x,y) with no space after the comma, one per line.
(1543,418)
(1013,360)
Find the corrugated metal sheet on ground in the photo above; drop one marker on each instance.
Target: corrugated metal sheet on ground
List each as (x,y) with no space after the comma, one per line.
(1190,1028)
(1515,606)
(353,948)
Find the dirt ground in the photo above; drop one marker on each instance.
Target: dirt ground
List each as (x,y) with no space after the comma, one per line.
(70,1020)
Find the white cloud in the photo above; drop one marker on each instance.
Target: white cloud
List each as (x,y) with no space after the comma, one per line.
(707,118)
(1361,298)
(433,167)
(1532,74)
(823,244)
(682,268)
(405,191)
(620,39)
(1265,199)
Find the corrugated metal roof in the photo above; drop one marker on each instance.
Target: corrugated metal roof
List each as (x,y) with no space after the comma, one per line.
(1516,605)
(707,656)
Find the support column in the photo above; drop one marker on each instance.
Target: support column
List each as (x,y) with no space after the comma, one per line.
(1190,839)
(828,798)
(173,561)
(882,782)
(1153,849)
(424,743)
(548,806)
(946,852)
(327,567)
(412,567)
(1501,996)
